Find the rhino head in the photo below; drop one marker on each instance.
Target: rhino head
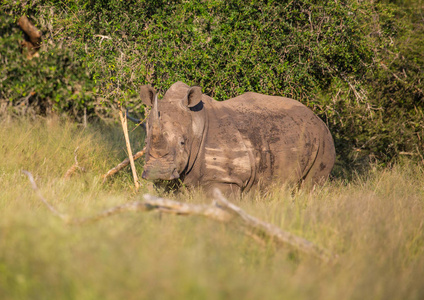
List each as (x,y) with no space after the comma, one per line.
(174,127)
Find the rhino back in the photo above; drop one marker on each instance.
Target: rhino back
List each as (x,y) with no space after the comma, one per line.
(285,138)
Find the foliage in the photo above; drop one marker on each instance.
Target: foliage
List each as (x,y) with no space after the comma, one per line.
(387,117)
(374,223)
(54,81)
(355,63)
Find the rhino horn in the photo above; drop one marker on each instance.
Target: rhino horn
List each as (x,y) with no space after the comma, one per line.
(158,138)
(155,112)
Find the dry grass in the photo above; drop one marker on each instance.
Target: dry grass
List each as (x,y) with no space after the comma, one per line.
(374,222)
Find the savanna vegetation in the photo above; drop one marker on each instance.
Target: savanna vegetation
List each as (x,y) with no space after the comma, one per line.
(357,64)
(374,222)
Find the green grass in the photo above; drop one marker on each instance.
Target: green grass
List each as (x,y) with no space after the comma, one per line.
(375,223)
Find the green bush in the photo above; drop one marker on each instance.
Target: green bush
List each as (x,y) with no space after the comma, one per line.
(355,63)
(54,81)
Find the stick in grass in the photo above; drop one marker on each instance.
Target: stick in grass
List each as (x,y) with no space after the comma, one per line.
(74,167)
(122,165)
(37,191)
(123,118)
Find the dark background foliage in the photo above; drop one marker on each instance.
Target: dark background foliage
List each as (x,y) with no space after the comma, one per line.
(357,64)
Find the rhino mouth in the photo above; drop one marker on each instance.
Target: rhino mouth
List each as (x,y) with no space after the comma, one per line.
(159,175)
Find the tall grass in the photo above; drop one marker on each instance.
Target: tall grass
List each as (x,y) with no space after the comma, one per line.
(375,223)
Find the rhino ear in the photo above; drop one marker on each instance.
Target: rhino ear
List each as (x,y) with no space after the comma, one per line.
(147,95)
(194,96)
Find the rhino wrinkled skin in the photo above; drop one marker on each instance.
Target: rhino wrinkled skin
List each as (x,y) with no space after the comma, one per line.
(235,144)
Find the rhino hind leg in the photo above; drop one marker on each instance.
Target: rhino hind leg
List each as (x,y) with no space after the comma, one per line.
(320,170)
(313,178)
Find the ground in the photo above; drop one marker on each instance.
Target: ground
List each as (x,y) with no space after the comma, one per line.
(373,221)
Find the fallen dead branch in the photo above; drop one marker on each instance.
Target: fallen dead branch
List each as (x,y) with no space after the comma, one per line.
(220,210)
(122,165)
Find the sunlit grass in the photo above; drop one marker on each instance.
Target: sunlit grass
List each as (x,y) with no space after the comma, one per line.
(375,223)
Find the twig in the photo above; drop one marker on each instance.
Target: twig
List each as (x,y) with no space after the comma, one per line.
(131,206)
(102,38)
(85,118)
(37,191)
(419,153)
(398,78)
(74,167)
(127,141)
(138,122)
(122,165)
(407,153)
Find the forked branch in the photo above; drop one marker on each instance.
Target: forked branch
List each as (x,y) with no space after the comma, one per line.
(220,210)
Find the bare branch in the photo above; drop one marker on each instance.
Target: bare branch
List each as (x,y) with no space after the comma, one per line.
(138,122)
(122,165)
(37,191)
(102,38)
(132,206)
(398,78)
(74,167)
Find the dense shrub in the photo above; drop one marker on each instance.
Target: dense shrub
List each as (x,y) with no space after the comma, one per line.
(54,81)
(356,63)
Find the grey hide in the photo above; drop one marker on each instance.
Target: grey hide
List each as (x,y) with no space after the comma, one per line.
(248,140)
